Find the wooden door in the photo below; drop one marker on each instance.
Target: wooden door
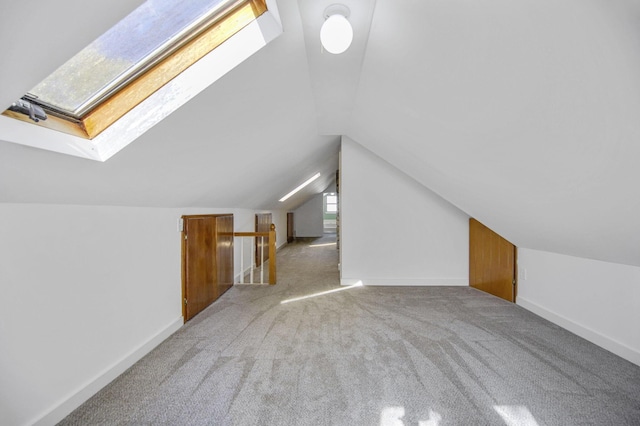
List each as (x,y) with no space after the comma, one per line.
(263,224)
(207,261)
(224,253)
(199,264)
(290,227)
(492,262)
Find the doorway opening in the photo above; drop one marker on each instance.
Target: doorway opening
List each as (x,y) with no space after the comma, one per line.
(330,213)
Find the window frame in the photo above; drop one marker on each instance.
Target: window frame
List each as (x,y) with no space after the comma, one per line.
(207,38)
(327,203)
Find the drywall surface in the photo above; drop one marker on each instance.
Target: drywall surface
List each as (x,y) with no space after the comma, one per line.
(308,218)
(522,114)
(86,292)
(279,219)
(394,231)
(82,288)
(597,300)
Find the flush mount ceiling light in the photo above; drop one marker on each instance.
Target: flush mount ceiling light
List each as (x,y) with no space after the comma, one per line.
(336,33)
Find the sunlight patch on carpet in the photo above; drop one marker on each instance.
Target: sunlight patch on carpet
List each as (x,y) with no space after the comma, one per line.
(322,293)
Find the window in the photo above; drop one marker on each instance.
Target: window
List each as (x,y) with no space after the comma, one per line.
(331,205)
(132,60)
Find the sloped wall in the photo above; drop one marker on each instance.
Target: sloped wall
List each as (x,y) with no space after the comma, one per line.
(85,292)
(394,231)
(596,300)
(308,218)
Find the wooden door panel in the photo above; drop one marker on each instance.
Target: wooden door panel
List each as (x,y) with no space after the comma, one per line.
(492,261)
(224,253)
(200,280)
(290,227)
(263,224)
(207,259)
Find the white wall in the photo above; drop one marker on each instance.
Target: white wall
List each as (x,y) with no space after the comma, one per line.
(596,300)
(308,218)
(395,231)
(85,292)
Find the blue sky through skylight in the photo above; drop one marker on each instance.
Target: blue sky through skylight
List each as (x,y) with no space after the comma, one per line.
(121,52)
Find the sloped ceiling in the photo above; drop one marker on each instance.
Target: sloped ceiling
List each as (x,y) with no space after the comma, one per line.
(245,141)
(523,114)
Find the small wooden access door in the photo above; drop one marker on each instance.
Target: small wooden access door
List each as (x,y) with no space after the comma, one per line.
(263,224)
(290,227)
(207,260)
(492,262)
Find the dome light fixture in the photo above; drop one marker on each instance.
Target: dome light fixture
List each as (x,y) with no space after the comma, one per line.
(336,33)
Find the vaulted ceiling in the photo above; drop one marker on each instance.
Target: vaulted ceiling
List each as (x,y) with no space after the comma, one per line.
(523,114)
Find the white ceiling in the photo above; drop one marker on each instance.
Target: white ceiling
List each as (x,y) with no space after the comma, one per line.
(523,114)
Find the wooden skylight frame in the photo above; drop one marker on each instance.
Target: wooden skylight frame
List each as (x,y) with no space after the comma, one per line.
(233,18)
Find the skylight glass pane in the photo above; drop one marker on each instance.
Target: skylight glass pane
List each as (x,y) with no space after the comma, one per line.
(121,52)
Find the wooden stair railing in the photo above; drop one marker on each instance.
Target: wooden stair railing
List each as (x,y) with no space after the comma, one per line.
(271,235)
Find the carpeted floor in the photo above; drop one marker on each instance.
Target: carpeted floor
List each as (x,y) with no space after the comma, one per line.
(422,356)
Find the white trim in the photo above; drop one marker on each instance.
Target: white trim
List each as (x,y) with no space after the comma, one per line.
(73,401)
(406,281)
(593,336)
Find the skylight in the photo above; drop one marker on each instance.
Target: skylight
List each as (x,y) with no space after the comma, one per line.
(133,45)
(299,188)
(133,60)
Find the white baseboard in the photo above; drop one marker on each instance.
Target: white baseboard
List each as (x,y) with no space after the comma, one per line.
(70,403)
(601,340)
(399,282)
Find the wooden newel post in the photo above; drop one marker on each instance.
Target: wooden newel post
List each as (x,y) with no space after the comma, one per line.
(272,254)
